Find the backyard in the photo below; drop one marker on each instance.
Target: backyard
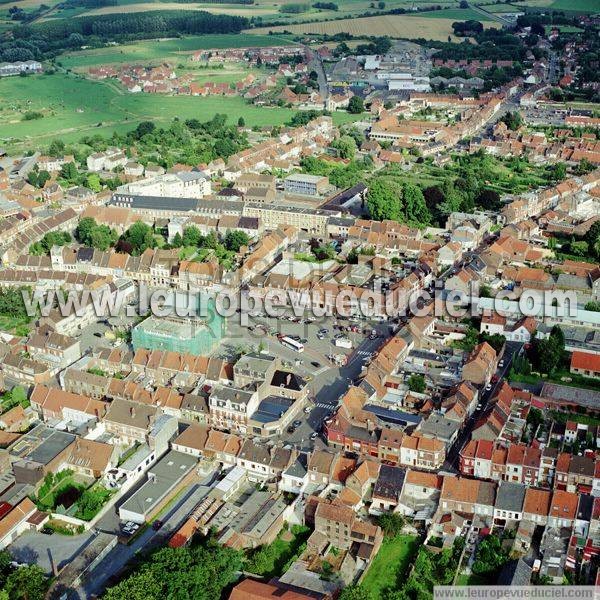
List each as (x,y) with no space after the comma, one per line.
(390,566)
(274,559)
(71,494)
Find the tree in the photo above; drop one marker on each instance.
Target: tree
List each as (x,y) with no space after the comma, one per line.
(69,172)
(199,572)
(355,592)
(84,230)
(192,236)
(547,354)
(559,171)
(140,236)
(490,558)
(93,182)
(356,105)
(241,122)
(139,586)
(488,199)
(391,524)
(177,241)
(513,120)
(416,211)
(27,583)
(235,239)
(56,148)
(416,383)
(346,146)
(144,128)
(103,237)
(384,200)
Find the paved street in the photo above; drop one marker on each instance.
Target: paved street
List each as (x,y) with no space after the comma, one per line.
(327,382)
(105,572)
(512,349)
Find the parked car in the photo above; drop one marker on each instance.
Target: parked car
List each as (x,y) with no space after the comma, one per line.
(157,524)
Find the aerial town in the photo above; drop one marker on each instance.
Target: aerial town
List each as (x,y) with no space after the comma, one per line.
(322,323)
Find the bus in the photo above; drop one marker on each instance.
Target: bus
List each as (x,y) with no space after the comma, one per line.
(293,344)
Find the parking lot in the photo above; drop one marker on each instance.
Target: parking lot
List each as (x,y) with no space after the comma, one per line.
(327,381)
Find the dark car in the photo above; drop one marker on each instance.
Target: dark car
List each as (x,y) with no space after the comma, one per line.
(291,429)
(297,423)
(157,524)
(98,334)
(315,364)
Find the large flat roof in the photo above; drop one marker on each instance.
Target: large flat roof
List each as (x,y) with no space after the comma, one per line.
(162,478)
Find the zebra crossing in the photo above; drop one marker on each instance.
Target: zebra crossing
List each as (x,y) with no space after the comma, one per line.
(325,405)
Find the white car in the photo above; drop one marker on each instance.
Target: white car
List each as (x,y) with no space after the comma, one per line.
(488,387)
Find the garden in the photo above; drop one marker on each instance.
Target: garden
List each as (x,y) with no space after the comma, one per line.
(68,493)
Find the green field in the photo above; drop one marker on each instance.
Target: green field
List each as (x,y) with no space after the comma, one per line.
(74,106)
(268,10)
(390,567)
(173,49)
(574,6)
(456,14)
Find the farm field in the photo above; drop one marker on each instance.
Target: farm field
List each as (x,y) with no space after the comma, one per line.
(237,10)
(576,6)
(400,26)
(74,106)
(171,49)
(270,9)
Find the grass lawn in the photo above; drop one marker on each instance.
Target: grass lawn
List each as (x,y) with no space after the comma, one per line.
(155,50)
(272,560)
(391,564)
(471,579)
(563,417)
(456,14)
(560,378)
(573,6)
(15,325)
(187,252)
(74,107)
(266,9)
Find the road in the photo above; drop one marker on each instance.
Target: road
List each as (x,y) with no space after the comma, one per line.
(316,64)
(327,382)
(107,570)
(490,16)
(512,348)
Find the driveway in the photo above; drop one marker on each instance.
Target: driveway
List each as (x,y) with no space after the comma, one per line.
(34,547)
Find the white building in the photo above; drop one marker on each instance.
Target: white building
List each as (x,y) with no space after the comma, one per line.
(185,184)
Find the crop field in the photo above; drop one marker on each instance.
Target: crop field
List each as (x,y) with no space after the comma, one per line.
(237,10)
(171,49)
(575,6)
(399,26)
(73,107)
(268,9)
